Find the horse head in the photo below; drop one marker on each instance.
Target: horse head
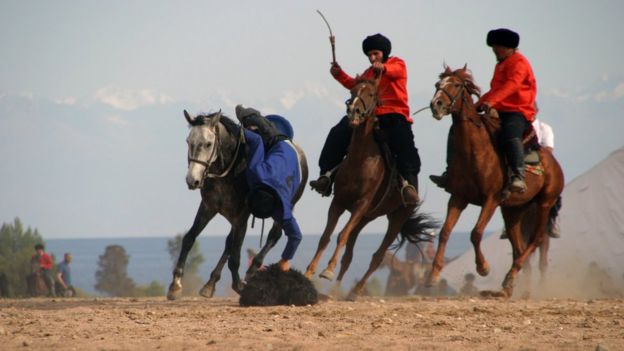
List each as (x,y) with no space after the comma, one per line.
(454,88)
(202,146)
(363,101)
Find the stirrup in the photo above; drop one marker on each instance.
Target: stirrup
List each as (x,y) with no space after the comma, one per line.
(404,189)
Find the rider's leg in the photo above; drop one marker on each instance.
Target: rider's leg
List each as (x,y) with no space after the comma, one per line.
(400,140)
(333,152)
(442,180)
(513,126)
(252,119)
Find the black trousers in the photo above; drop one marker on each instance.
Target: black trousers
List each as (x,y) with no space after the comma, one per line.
(399,138)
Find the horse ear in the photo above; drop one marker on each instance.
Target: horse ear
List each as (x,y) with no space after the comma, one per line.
(465,66)
(447,69)
(188,117)
(215,119)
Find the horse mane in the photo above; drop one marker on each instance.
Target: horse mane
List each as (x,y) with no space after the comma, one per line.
(229,124)
(466,76)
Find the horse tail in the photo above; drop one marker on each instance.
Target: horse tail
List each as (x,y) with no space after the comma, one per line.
(418,228)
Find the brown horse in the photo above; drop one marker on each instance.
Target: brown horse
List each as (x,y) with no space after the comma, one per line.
(365,185)
(478,176)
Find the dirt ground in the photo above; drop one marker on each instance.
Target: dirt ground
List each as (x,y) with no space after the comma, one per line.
(406,323)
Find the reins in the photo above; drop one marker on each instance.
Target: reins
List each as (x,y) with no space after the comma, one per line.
(207,174)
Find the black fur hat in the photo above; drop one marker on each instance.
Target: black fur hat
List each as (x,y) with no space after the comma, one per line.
(273,287)
(503,37)
(262,202)
(377,42)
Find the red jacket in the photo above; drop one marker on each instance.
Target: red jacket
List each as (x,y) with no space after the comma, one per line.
(513,87)
(45,262)
(392,87)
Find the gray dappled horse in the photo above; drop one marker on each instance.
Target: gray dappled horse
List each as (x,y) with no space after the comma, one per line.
(216,165)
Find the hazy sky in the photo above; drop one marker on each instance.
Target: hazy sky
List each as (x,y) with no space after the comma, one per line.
(92,136)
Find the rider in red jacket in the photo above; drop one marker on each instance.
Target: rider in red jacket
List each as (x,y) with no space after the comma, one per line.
(392,114)
(512,93)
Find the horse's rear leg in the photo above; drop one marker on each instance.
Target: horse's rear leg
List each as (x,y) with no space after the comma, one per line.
(454,210)
(203,216)
(274,235)
(395,222)
(344,235)
(332,219)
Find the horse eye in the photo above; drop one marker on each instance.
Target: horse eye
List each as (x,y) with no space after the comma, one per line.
(208,145)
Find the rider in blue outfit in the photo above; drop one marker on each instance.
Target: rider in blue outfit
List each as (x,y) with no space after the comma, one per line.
(273,175)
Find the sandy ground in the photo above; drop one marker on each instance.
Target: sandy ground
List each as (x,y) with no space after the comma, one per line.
(406,323)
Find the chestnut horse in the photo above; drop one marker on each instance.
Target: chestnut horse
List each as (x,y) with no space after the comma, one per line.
(367,186)
(478,176)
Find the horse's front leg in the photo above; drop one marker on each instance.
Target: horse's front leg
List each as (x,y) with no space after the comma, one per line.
(344,235)
(203,216)
(238,235)
(395,222)
(209,288)
(487,211)
(454,210)
(274,235)
(333,214)
(347,257)
(536,240)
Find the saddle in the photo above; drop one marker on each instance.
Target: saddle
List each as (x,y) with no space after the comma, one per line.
(529,139)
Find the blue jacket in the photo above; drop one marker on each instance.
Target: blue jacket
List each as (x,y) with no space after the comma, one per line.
(278,169)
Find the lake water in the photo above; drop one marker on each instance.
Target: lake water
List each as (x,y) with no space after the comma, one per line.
(149,260)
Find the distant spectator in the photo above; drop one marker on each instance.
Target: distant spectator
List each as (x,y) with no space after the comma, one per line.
(444,289)
(45,264)
(469,289)
(63,277)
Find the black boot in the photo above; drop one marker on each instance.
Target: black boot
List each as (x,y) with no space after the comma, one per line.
(515,159)
(252,119)
(323,185)
(440,180)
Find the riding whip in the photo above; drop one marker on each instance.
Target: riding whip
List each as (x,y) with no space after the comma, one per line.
(422,109)
(332,38)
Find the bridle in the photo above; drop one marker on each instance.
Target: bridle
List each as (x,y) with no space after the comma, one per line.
(454,98)
(213,155)
(366,111)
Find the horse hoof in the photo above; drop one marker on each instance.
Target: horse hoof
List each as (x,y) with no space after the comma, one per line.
(309,274)
(174,292)
(484,270)
(327,274)
(352,296)
(207,291)
(432,281)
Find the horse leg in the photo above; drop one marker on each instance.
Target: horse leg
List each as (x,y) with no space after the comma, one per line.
(208,289)
(543,257)
(454,210)
(203,216)
(344,235)
(487,210)
(395,222)
(536,240)
(332,219)
(347,257)
(274,235)
(513,217)
(238,234)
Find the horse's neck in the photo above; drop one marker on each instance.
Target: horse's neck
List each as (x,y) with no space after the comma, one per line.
(470,134)
(363,140)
